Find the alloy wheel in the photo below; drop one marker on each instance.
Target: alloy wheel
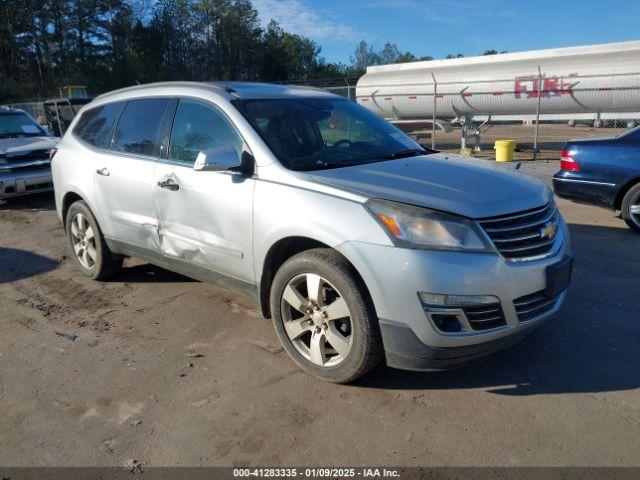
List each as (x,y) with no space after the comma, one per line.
(317,320)
(84,241)
(634,210)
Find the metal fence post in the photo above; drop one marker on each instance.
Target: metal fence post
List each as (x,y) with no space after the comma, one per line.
(535,141)
(346,80)
(435,104)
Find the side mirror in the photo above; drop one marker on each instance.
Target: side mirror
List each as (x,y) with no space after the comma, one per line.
(218,159)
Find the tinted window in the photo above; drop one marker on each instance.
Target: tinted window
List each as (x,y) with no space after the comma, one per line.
(317,133)
(139,125)
(198,127)
(95,124)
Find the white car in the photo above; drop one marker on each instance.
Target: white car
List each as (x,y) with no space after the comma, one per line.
(25,147)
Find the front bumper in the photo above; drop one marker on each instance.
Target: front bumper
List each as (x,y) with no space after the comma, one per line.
(394,276)
(23,183)
(405,351)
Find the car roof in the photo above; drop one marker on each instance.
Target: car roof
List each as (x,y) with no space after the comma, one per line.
(230,90)
(248,90)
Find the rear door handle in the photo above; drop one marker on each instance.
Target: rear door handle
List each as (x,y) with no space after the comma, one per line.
(169,184)
(103,171)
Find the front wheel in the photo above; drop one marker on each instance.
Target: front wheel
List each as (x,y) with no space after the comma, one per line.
(324,317)
(631,208)
(88,247)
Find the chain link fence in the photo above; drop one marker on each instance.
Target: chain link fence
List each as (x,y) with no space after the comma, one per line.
(35,109)
(548,118)
(345,87)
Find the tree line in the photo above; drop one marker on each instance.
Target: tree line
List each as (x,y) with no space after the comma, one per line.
(108,44)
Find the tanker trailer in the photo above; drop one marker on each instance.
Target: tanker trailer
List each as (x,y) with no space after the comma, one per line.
(565,83)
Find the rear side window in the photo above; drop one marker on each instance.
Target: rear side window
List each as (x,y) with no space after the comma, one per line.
(95,124)
(198,126)
(139,125)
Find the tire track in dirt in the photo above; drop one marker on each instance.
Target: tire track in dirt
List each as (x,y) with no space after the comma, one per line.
(68,302)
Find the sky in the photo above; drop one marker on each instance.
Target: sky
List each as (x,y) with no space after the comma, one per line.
(439,27)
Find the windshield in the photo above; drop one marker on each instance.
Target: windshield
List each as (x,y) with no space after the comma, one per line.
(313,134)
(19,125)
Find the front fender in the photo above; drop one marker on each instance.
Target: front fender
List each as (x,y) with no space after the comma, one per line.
(282,211)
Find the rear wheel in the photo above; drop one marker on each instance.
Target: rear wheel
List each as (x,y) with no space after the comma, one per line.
(88,247)
(324,317)
(631,208)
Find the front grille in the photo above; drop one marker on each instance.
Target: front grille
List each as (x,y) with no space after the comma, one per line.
(32,167)
(534,305)
(25,162)
(524,234)
(485,317)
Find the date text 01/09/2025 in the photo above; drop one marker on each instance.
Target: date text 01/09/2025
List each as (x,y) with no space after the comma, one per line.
(315,472)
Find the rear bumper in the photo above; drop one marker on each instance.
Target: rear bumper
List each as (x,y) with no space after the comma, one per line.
(584,190)
(24,183)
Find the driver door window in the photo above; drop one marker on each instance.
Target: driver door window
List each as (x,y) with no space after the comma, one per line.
(197,127)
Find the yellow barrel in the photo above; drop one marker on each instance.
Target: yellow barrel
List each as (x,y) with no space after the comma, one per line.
(504,150)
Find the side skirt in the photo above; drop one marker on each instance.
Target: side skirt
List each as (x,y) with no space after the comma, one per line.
(186,269)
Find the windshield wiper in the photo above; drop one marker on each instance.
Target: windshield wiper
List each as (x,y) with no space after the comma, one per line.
(325,164)
(406,153)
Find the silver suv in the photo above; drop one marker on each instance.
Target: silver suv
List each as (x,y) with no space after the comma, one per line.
(25,148)
(357,242)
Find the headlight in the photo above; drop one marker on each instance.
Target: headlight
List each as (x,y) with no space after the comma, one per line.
(416,227)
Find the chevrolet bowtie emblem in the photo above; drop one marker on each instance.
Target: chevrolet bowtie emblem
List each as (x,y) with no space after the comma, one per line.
(549,230)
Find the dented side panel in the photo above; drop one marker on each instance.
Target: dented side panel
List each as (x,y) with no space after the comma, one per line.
(207,220)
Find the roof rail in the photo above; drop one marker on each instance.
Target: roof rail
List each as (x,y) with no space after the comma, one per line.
(160,84)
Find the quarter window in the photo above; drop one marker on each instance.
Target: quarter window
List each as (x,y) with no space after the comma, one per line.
(139,126)
(198,127)
(95,125)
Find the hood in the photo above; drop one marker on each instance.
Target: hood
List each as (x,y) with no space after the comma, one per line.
(26,144)
(448,183)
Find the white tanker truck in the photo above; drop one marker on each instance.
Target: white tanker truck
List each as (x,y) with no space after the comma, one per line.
(589,83)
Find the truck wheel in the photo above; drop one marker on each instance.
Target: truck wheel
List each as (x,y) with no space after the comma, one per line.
(631,208)
(89,249)
(324,317)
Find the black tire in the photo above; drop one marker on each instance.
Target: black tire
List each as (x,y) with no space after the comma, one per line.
(630,199)
(366,345)
(105,263)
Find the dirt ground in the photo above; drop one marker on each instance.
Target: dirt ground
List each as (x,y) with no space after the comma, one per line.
(171,371)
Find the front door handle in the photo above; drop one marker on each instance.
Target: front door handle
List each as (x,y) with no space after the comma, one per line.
(103,171)
(169,184)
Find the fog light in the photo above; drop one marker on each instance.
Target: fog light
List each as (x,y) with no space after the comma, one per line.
(438,300)
(446,323)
